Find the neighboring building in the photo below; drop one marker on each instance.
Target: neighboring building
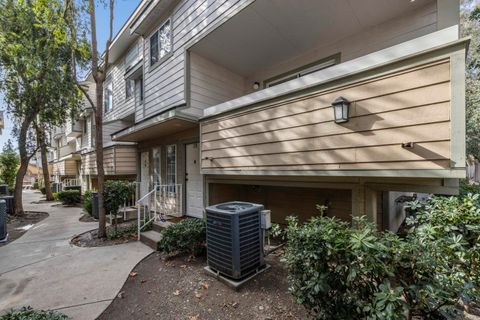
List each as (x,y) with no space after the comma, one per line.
(231,100)
(30,176)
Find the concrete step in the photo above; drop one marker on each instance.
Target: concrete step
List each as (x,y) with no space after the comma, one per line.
(158,226)
(151,238)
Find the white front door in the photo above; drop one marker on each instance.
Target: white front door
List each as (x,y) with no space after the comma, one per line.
(193,181)
(144,173)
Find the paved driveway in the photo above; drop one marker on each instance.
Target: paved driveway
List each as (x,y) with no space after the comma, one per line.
(42,269)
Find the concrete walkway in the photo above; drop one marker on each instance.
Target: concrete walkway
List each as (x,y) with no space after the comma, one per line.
(42,269)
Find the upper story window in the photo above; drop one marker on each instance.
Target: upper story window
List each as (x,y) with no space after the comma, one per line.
(131,57)
(129,88)
(303,71)
(161,42)
(108,97)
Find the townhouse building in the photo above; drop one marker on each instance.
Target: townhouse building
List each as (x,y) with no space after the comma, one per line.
(292,104)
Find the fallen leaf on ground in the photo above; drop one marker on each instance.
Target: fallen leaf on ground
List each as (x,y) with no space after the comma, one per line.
(183,266)
(198,295)
(143,281)
(197,317)
(205,285)
(132,274)
(176,293)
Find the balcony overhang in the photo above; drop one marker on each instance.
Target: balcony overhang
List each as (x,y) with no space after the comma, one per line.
(423,45)
(166,123)
(266,34)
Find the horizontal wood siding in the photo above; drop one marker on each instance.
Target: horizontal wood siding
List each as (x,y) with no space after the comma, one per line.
(118,160)
(165,83)
(65,168)
(211,84)
(122,106)
(411,105)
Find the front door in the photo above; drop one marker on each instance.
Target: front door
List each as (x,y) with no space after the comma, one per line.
(193,181)
(144,173)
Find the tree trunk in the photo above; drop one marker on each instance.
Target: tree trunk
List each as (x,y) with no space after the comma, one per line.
(43,151)
(22,170)
(102,233)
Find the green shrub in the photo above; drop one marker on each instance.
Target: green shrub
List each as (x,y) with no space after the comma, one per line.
(87,202)
(27,313)
(43,190)
(466,187)
(68,197)
(339,271)
(35,184)
(186,236)
(115,195)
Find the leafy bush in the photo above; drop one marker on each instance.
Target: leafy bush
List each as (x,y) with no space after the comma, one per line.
(339,271)
(68,197)
(87,201)
(35,184)
(43,190)
(186,236)
(466,187)
(27,313)
(115,195)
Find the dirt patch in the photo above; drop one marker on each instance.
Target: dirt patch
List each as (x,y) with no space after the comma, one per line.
(18,226)
(87,218)
(179,289)
(90,238)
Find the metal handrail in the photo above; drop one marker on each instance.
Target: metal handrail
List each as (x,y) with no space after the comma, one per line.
(167,200)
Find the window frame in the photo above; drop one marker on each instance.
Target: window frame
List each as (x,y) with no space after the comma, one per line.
(156,34)
(129,93)
(167,173)
(302,71)
(105,90)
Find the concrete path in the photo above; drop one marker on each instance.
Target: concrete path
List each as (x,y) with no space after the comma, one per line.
(42,269)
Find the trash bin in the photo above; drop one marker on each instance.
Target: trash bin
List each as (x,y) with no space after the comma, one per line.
(10,204)
(237,226)
(56,186)
(95,205)
(3,189)
(3,221)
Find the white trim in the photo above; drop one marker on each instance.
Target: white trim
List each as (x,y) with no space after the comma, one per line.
(373,60)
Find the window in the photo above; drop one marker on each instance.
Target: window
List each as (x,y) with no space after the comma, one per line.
(131,57)
(317,66)
(129,88)
(161,42)
(108,97)
(171,164)
(85,126)
(140,83)
(156,167)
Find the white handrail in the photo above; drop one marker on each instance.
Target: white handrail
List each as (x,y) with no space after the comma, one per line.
(167,200)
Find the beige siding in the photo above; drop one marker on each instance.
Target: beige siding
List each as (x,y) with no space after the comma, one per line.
(122,106)
(117,160)
(211,84)
(403,28)
(65,168)
(411,105)
(112,127)
(164,84)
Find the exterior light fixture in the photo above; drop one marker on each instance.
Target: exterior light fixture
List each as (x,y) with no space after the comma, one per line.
(340,109)
(256,86)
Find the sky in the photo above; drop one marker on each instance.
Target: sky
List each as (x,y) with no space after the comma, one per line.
(122,10)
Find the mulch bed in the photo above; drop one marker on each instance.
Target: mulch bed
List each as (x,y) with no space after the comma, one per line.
(90,238)
(179,289)
(18,226)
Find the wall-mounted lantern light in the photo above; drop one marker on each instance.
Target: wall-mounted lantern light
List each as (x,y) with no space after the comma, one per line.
(340,109)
